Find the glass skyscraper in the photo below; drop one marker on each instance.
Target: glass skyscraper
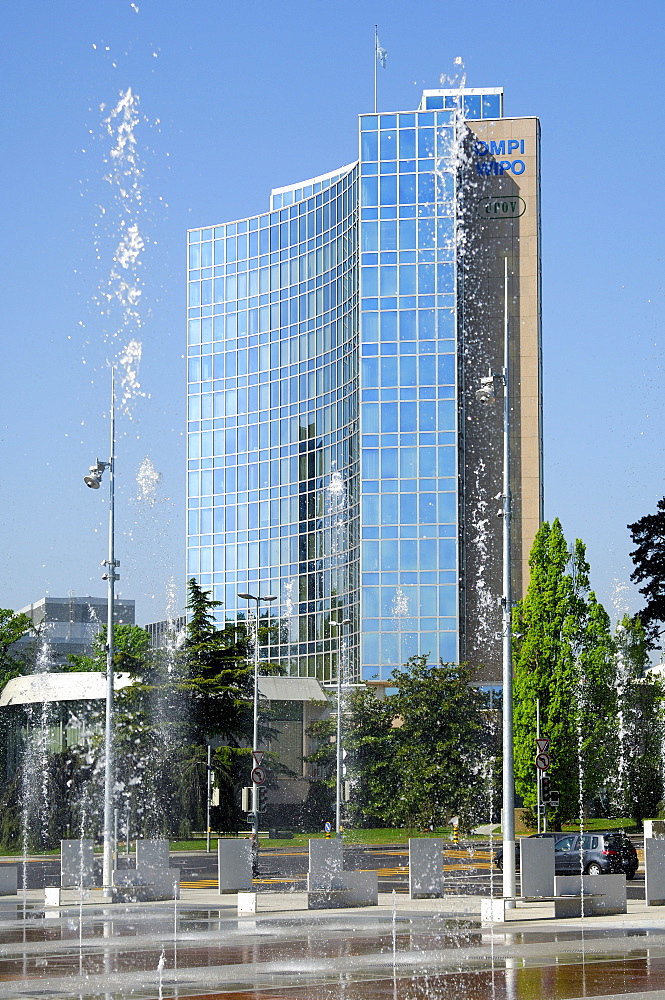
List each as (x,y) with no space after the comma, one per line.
(336,454)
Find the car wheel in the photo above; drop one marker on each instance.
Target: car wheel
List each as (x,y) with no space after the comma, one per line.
(594,869)
(499,865)
(631,874)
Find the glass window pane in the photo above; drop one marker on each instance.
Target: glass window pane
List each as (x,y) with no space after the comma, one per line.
(388,280)
(389,145)
(369,193)
(389,234)
(389,189)
(407,234)
(389,506)
(407,279)
(425,142)
(388,417)
(408,508)
(407,144)
(370,236)
(389,463)
(472,106)
(407,189)
(491,104)
(369,145)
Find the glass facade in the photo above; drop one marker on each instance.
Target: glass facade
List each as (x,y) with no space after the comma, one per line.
(323,407)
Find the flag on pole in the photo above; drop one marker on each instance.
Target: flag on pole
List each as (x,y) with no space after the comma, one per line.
(381,53)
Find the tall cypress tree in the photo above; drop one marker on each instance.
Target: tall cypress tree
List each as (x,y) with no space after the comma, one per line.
(639,777)
(564,656)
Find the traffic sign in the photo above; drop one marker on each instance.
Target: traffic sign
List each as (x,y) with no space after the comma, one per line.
(258,775)
(328,827)
(542,761)
(543,744)
(258,756)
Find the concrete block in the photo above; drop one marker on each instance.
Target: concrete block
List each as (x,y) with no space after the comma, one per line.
(152,853)
(425,867)
(608,891)
(363,888)
(246,902)
(654,868)
(325,861)
(8,880)
(537,866)
(234,861)
(77,863)
(493,910)
(328,899)
(602,894)
(146,885)
(573,906)
(654,829)
(52,896)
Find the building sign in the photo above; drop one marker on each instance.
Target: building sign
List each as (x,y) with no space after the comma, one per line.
(508,206)
(502,147)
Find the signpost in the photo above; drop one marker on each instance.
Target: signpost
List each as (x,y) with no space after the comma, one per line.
(542,763)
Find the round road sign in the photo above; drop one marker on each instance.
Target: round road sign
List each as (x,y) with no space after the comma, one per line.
(258,775)
(542,761)
(328,827)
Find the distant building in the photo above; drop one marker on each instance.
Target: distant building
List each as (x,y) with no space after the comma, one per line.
(161,632)
(66,626)
(338,456)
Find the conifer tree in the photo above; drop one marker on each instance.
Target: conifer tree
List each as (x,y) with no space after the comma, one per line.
(563,656)
(641,727)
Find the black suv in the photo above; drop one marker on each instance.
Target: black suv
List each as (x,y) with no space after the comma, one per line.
(601,853)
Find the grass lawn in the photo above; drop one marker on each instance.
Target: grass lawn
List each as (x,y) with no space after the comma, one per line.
(352,837)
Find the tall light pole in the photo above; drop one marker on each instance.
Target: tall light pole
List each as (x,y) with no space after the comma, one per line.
(340,669)
(255,736)
(486,395)
(93,480)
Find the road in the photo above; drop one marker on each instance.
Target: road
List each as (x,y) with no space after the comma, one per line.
(467,869)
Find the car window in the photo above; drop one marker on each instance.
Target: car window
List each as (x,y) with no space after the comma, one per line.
(614,843)
(594,843)
(565,844)
(586,842)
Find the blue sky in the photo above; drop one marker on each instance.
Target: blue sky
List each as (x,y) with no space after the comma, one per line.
(237,99)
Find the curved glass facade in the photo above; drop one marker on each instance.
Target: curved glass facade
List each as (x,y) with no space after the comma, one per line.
(331,453)
(273,418)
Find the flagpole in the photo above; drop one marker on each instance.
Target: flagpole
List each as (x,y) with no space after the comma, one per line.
(376,59)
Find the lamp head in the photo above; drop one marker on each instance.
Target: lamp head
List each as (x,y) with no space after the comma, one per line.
(94,480)
(486,392)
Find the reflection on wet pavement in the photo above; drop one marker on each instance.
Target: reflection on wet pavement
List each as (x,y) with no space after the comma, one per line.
(189,952)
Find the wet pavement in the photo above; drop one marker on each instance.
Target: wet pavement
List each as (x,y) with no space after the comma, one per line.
(403,949)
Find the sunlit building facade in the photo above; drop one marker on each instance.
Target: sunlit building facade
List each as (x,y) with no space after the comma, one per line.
(337,456)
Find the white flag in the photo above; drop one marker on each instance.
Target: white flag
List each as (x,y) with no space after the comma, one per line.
(381,53)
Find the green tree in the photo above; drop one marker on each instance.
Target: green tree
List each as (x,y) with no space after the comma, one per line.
(442,739)
(563,657)
(13,627)
(131,646)
(641,728)
(218,675)
(416,759)
(648,534)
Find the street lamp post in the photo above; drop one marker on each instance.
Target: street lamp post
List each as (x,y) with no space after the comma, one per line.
(340,665)
(255,736)
(93,480)
(486,395)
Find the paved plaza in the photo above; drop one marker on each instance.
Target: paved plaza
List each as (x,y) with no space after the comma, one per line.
(198,947)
